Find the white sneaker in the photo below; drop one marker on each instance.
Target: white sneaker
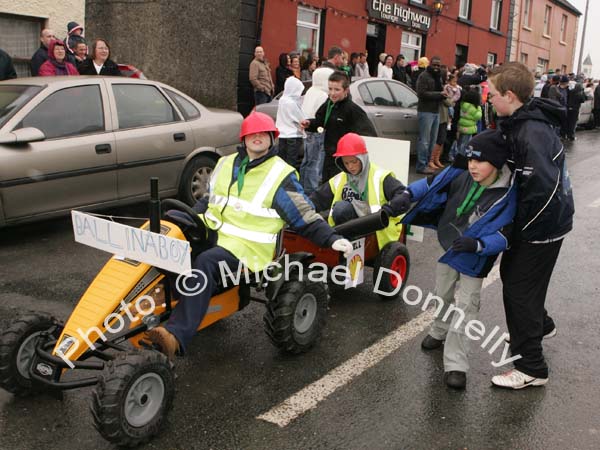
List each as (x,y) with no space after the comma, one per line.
(515,379)
(551,334)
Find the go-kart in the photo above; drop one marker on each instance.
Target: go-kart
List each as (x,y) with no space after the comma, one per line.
(390,265)
(134,389)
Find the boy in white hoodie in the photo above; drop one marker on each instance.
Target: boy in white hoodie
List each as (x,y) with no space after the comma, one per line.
(289,116)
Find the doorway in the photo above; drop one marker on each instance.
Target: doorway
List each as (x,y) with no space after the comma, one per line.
(375,45)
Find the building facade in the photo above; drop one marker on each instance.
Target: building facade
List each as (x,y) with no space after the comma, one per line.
(545,34)
(22,21)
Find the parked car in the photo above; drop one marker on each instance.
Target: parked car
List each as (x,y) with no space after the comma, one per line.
(93,142)
(586,116)
(391,106)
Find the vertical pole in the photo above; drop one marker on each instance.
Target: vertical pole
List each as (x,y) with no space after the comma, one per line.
(581,47)
(154,206)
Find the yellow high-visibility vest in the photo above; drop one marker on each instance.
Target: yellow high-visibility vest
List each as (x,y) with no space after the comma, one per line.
(376,199)
(246,223)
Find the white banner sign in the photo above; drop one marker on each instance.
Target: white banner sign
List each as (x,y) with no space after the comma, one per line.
(414,233)
(356,264)
(133,243)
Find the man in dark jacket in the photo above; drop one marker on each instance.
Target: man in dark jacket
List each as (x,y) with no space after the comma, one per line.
(74,36)
(7,70)
(430,90)
(399,70)
(336,117)
(597,105)
(575,97)
(544,217)
(41,54)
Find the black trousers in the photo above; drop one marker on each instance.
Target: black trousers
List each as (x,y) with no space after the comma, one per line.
(291,151)
(572,117)
(525,271)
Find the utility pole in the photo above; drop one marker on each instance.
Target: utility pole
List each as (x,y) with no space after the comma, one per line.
(587,6)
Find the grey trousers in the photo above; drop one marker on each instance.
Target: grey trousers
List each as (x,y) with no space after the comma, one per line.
(460,305)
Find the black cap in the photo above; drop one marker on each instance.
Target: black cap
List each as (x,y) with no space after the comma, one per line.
(564,79)
(489,146)
(556,78)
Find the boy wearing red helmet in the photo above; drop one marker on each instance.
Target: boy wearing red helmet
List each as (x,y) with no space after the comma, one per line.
(252,195)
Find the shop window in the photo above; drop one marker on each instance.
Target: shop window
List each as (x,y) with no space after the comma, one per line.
(20,38)
(464,11)
(411,46)
(461,55)
(542,65)
(563,29)
(495,17)
(527,13)
(547,19)
(307,32)
(524,58)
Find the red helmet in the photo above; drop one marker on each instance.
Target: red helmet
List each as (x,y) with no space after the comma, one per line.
(351,144)
(258,122)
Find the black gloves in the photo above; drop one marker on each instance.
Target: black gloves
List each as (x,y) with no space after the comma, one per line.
(398,205)
(465,244)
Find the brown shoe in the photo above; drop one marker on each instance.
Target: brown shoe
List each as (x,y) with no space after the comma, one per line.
(427,171)
(165,341)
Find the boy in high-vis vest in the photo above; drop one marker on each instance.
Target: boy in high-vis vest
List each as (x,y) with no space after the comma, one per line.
(360,189)
(252,195)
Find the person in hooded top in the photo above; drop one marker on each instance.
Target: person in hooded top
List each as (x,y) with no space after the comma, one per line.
(314,152)
(282,72)
(74,36)
(99,62)
(57,64)
(289,116)
(360,189)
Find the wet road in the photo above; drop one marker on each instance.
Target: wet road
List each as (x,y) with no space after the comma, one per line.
(232,374)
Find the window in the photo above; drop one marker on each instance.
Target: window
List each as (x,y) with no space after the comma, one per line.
(20,38)
(547,19)
(52,117)
(404,97)
(378,94)
(188,110)
(464,11)
(411,46)
(563,28)
(491,59)
(524,58)
(12,99)
(141,105)
(495,17)
(527,13)
(307,32)
(461,55)
(542,65)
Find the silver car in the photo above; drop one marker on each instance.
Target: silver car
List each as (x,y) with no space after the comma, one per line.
(94,142)
(391,106)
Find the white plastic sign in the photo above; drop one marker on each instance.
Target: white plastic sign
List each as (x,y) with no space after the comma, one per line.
(133,243)
(355,264)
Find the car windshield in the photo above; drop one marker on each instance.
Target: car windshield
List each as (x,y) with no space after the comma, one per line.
(13,97)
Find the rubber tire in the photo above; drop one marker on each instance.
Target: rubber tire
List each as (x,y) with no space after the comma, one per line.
(279,316)
(108,397)
(10,343)
(185,187)
(384,259)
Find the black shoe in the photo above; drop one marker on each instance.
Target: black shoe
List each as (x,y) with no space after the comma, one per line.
(431,343)
(455,379)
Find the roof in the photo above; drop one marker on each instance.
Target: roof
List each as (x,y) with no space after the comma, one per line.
(568,6)
(587,61)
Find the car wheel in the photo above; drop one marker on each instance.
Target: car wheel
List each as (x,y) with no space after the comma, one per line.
(195,179)
(394,257)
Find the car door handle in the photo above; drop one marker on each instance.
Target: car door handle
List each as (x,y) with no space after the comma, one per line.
(409,116)
(378,114)
(103,149)
(179,137)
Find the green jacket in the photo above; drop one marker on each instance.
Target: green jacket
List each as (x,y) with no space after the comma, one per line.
(469,116)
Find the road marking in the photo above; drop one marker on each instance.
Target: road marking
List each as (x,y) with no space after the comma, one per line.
(309,397)
(594,204)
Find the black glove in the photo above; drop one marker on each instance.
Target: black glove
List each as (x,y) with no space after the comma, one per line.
(401,204)
(465,244)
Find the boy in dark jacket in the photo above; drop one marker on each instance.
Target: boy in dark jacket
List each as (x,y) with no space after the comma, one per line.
(544,217)
(471,210)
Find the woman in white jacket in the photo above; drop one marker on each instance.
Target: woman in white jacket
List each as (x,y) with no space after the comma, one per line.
(386,70)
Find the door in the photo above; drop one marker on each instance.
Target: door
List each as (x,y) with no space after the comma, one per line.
(74,166)
(381,108)
(152,139)
(375,45)
(406,103)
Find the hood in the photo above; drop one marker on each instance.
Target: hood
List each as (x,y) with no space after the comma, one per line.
(293,87)
(320,78)
(363,174)
(54,43)
(73,26)
(542,109)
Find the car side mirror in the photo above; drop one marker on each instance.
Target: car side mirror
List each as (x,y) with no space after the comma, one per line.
(23,136)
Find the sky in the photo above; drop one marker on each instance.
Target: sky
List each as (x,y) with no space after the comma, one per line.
(592,34)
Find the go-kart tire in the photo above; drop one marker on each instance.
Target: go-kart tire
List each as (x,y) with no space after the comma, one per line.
(17,347)
(294,320)
(393,256)
(196,173)
(131,402)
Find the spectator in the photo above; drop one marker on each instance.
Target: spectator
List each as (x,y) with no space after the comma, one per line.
(418,69)
(353,62)
(386,71)
(345,67)
(289,116)
(597,105)
(554,92)
(295,65)
(335,58)
(381,63)
(336,117)
(470,114)
(430,91)
(546,87)
(260,77)
(454,92)
(362,68)
(80,52)
(544,217)
(399,70)
(310,65)
(537,91)
(74,36)
(445,105)
(282,72)
(7,70)
(472,75)
(57,63)
(314,153)
(99,62)
(41,54)
(575,97)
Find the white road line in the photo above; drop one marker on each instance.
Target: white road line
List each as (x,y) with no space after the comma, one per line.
(594,204)
(310,396)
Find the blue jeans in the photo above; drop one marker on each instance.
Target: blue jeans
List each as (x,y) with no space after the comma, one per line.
(312,164)
(428,130)
(261,97)
(343,211)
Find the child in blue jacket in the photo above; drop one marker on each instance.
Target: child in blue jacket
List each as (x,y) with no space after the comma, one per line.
(471,210)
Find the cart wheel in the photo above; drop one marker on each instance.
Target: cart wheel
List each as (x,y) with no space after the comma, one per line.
(295,319)
(393,256)
(17,349)
(132,400)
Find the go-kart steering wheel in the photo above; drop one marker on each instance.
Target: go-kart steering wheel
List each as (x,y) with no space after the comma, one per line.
(195,234)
